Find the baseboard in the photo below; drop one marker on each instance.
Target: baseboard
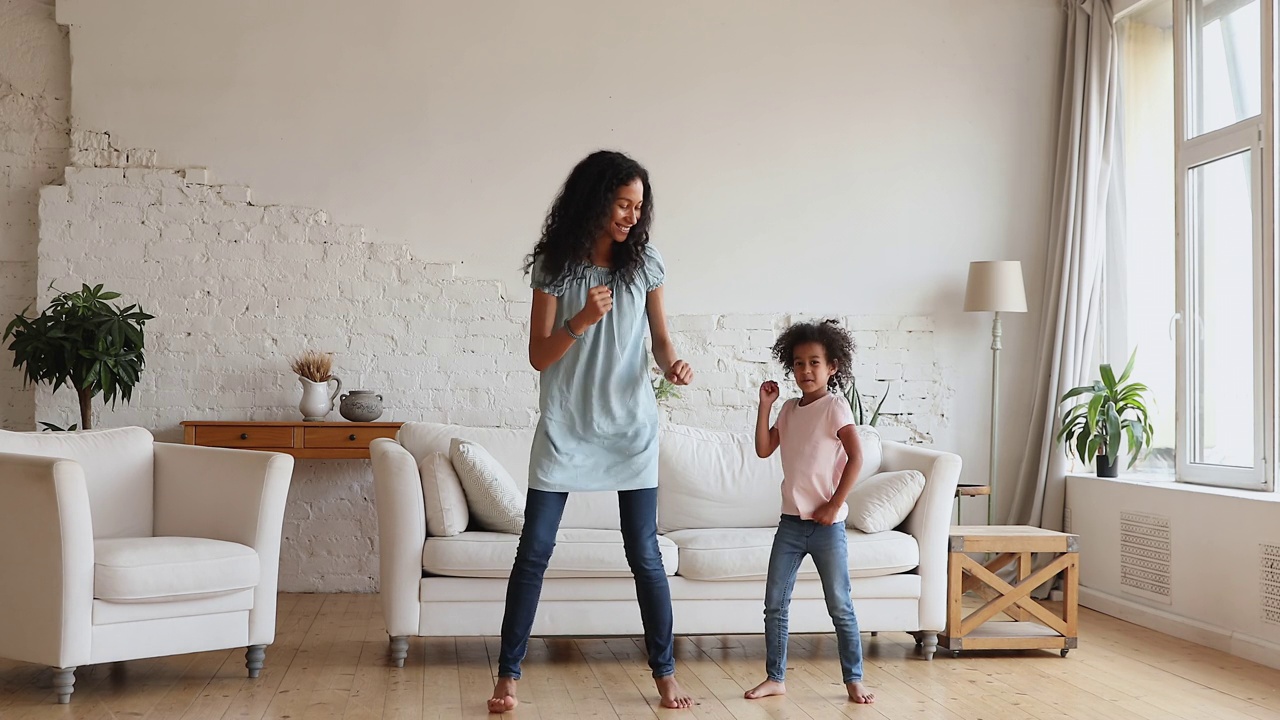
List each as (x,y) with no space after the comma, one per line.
(1250,648)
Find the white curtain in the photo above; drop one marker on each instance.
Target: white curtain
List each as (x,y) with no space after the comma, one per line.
(1077,248)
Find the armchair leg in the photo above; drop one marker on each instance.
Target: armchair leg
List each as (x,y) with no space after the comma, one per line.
(399,649)
(930,645)
(63,680)
(254,657)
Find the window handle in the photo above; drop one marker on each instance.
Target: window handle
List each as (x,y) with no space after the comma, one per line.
(1173,319)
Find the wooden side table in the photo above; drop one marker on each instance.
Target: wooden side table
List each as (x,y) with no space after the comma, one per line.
(1033,625)
(306,440)
(964,491)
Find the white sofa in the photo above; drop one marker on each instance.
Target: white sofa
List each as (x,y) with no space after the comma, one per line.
(115,547)
(718,508)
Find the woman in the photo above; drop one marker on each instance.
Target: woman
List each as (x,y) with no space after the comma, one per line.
(597,286)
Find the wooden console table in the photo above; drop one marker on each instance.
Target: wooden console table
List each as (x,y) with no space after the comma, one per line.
(310,440)
(1034,625)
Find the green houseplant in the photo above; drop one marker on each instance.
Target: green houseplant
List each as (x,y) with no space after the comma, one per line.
(663,389)
(855,403)
(83,341)
(1109,413)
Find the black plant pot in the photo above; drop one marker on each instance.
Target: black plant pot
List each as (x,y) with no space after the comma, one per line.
(1107,467)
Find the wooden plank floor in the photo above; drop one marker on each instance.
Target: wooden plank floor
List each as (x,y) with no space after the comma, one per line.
(329,661)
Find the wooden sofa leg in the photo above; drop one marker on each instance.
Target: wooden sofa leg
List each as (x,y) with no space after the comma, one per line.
(919,636)
(930,644)
(253,659)
(63,681)
(399,649)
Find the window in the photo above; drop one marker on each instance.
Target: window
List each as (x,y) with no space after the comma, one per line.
(1190,235)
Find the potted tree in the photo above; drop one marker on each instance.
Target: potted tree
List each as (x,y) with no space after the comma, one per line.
(83,341)
(1109,413)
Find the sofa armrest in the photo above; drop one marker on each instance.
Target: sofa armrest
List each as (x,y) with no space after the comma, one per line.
(929,522)
(46,561)
(402,534)
(233,495)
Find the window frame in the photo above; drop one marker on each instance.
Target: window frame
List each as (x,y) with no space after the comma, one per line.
(1256,135)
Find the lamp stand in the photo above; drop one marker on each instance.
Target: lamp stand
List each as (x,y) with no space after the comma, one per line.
(996,334)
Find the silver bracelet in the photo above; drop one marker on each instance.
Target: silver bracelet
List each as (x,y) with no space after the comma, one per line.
(572,334)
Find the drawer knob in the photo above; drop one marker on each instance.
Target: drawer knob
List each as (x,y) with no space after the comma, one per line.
(351,437)
(244,436)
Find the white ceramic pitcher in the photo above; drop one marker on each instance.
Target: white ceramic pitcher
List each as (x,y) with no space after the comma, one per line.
(317,401)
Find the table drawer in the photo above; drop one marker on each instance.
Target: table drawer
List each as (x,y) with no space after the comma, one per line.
(339,437)
(246,436)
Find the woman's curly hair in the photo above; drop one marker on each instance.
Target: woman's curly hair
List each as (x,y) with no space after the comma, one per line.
(837,342)
(582,211)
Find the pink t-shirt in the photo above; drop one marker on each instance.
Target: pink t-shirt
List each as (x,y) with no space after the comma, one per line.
(813,458)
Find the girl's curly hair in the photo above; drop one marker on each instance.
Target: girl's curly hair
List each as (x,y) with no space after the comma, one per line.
(581,213)
(835,340)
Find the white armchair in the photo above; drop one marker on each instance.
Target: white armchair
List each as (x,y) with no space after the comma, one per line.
(115,547)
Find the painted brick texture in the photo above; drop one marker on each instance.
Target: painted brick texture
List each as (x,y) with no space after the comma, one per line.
(239,288)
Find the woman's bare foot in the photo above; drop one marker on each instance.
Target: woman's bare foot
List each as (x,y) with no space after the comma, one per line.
(504,696)
(673,696)
(859,693)
(767,688)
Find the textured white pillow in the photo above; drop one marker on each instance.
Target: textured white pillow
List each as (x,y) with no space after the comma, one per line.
(443,496)
(872,451)
(881,502)
(493,496)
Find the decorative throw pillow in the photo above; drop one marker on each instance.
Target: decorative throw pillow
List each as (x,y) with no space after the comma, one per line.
(493,496)
(881,502)
(443,497)
(872,451)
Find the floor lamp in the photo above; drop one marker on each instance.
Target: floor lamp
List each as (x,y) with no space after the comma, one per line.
(995,286)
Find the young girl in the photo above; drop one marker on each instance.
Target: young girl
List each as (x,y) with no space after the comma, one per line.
(597,287)
(821,458)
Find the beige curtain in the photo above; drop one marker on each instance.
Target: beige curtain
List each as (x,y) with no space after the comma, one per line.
(1073,274)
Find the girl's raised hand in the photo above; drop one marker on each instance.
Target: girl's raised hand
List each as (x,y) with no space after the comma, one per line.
(769,392)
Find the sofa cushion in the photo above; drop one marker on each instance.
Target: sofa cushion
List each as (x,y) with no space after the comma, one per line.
(579,552)
(442,496)
(882,501)
(709,479)
(158,569)
(492,495)
(510,447)
(743,554)
(118,473)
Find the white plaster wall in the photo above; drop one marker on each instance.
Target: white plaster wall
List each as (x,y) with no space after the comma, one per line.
(848,157)
(1216,597)
(35,107)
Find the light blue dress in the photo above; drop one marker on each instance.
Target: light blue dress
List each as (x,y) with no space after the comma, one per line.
(599,423)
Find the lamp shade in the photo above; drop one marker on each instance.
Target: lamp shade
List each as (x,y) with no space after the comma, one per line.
(995,286)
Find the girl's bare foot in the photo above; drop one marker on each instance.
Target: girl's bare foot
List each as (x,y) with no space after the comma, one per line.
(504,696)
(672,694)
(767,688)
(859,693)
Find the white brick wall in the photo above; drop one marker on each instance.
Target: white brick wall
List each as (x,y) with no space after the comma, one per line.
(238,289)
(35,76)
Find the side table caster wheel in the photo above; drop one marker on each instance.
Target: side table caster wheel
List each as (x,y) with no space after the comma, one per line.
(1064,652)
(955,653)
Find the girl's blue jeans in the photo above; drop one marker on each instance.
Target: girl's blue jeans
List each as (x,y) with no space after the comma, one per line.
(829,547)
